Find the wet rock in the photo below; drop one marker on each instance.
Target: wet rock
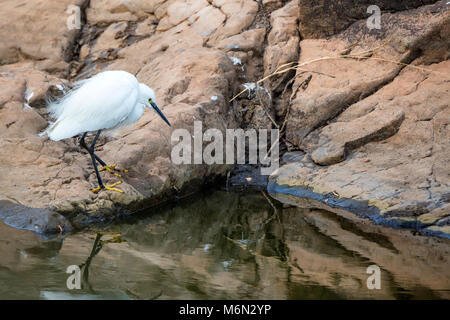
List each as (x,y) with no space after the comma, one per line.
(146,27)
(58,174)
(164,44)
(272,4)
(404,183)
(41,221)
(246,177)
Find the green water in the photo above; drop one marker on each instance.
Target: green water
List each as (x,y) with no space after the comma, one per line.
(227,246)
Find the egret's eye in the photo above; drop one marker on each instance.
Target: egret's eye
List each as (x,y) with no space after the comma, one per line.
(150,100)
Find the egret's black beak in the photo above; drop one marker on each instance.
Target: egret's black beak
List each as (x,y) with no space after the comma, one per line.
(160,113)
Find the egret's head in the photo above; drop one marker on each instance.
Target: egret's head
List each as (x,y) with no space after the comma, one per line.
(148,99)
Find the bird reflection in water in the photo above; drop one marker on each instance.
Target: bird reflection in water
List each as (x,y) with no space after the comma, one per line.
(96,248)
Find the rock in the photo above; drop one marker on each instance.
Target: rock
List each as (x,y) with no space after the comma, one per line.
(179,11)
(22,88)
(282,44)
(343,82)
(146,27)
(105,12)
(272,4)
(246,177)
(338,137)
(239,15)
(311,237)
(248,40)
(294,156)
(406,182)
(375,148)
(41,221)
(323,18)
(61,176)
(38,31)
(109,41)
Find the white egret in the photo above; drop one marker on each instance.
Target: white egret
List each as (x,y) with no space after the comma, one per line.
(107,101)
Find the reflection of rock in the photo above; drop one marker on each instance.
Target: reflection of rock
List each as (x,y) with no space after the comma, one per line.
(403,259)
(376,133)
(21,248)
(312,254)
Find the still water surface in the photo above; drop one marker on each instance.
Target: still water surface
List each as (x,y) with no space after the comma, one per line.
(226,246)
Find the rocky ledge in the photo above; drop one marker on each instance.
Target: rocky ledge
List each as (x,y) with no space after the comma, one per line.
(374,131)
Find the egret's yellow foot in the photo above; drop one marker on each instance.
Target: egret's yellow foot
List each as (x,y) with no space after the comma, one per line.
(108,187)
(112,169)
(114,234)
(115,238)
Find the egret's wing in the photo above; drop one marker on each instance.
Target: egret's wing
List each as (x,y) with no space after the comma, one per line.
(99,103)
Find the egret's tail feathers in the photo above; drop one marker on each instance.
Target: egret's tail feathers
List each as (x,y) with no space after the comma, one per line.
(56,106)
(50,131)
(62,130)
(45,132)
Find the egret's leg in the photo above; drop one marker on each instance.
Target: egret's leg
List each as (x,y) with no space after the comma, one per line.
(108,187)
(100,182)
(83,144)
(94,162)
(111,169)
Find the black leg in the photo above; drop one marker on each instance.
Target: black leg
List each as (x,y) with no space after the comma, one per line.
(83,144)
(94,159)
(94,141)
(100,183)
(93,156)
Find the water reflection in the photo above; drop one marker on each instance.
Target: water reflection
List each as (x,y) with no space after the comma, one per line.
(97,246)
(227,246)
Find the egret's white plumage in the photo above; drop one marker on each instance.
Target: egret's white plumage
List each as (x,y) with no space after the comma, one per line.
(108,100)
